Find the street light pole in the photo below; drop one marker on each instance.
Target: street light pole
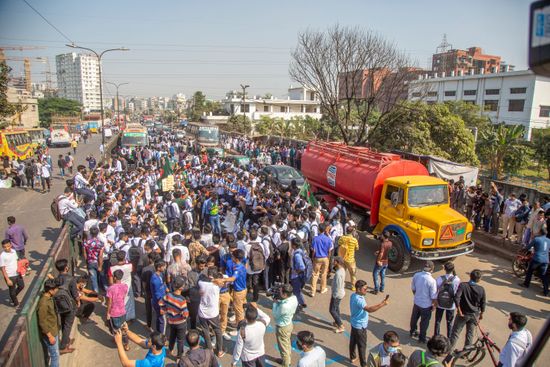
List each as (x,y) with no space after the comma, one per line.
(117,102)
(99,56)
(244,100)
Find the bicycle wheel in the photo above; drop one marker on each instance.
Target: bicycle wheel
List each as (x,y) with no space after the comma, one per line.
(474,357)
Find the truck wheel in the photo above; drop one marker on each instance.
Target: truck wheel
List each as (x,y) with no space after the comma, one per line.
(399,257)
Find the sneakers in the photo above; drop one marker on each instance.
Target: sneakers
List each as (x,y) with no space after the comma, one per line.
(226,336)
(232,318)
(339,330)
(324,291)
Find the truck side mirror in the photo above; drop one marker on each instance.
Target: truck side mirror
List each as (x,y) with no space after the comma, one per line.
(394,198)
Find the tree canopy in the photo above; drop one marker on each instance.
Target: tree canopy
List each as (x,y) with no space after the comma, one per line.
(419,128)
(54,106)
(7,109)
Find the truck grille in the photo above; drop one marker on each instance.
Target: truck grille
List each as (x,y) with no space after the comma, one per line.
(452,233)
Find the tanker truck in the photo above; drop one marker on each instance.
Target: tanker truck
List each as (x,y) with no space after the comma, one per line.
(387,192)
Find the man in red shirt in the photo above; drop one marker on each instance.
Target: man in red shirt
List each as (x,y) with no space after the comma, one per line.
(381,263)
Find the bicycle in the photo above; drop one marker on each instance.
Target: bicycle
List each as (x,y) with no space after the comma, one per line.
(473,354)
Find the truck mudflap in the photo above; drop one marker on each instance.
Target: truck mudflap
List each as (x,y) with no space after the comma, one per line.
(438,254)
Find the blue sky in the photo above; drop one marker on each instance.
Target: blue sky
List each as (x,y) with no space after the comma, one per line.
(213,46)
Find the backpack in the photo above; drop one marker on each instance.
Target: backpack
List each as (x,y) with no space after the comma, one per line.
(257,257)
(170,212)
(426,363)
(134,253)
(54,206)
(185,361)
(446,293)
(308,272)
(63,300)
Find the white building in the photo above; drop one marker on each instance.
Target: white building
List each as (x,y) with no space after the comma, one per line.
(300,102)
(515,98)
(78,79)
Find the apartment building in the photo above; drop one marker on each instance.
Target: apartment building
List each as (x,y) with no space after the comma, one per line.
(78,79)
(465,60)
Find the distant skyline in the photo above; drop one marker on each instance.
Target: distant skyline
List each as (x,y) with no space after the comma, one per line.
(214,46)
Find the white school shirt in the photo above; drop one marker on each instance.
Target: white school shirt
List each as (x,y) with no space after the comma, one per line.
(9,261)
(210,300)
(252,346)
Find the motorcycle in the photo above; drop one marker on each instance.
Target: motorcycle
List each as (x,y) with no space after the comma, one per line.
(521,262)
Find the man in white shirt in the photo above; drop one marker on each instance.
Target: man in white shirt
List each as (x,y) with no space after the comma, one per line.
(312,356)
(518,343)
(424,288)
(8,266)
(250,348)
(446,305)
(67,209)
(508,219)
(209,309)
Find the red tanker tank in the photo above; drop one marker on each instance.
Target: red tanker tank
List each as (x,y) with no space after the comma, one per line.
(356,174)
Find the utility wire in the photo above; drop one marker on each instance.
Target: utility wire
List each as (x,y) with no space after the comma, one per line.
(47,21)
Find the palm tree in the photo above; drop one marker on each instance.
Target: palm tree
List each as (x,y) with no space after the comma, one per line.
(497,142)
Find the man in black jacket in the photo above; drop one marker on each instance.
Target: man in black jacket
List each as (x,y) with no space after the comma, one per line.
(470,304)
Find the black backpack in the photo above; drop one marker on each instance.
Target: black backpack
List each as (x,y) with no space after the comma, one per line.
(134,254)
(63,300)
(446,293)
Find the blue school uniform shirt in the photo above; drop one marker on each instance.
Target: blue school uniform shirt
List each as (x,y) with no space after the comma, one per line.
(152,360)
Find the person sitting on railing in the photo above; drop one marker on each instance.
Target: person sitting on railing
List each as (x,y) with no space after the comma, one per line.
(70,212)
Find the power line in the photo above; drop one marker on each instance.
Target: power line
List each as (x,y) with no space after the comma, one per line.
(47,21)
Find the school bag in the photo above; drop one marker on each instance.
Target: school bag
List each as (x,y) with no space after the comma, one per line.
(257,257)
(308,272)
(54,207)
(170,212)
(63,300)
(446,294)
(134,254)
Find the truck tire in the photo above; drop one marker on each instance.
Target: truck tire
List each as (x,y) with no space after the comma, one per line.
(399,257)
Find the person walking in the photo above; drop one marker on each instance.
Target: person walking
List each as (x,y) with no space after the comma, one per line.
(74,144)
(347,246)
(45,177)
(47,322)
(61,164)
(174,307)
(424,288)
(321,248)
(359,318)
(541,246)
(518,343)
(381,262)
(8,266)
(313,355)
(338,293)
(284,308)
(250,346)
(470,301)
(447,285)
(18,237)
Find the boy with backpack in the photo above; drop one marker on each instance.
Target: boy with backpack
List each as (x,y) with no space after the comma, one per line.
(65,301)
(447,286)
(301,271)
(257,257)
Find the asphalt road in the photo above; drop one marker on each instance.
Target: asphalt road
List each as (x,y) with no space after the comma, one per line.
(32,210)
(95,345)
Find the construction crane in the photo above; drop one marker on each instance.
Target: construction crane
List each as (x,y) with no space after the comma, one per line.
(27,68)
(17,48)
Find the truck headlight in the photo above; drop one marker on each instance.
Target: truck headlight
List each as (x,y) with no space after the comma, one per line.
(468,235)
(427,242)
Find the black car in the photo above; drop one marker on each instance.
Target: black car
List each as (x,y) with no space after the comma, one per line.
(283,175)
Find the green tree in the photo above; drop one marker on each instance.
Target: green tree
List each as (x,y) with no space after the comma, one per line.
(7,109)
(498,144)
(420,128)
(50,107)
(470,114)
(541,149)
(239,124)
(197,106)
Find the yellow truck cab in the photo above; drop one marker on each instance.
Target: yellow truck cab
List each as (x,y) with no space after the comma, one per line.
(416,210)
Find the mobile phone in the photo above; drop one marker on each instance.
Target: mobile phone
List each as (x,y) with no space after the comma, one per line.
(387,297)
(448,359)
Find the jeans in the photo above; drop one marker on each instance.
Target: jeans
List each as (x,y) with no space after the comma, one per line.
(255,283)
(358,341)
(215,223)
(85,192)
(67,320)
(470,320)
(424,314)
(379,271)
(213,323)
(148,309)
(62,171)
(449,317)
(160,323)
(533,266)
(92,271)
(256,362)
(130,305)
(16,288)
(116,323)
(297,284)
(52,351)
(334,310)
(77,221)
(177,333)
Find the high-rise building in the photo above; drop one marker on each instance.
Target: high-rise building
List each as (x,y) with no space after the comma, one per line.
(78,79)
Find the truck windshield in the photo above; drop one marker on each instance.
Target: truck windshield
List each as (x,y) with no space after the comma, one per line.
(428,195)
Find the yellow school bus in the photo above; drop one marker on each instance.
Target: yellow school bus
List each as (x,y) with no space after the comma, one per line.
(16,144)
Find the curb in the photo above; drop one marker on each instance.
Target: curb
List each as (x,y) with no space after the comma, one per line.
(494,245)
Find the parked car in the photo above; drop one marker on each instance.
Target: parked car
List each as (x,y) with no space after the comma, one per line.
(283,175)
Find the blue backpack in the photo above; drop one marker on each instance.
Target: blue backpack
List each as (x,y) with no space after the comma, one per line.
(308,272)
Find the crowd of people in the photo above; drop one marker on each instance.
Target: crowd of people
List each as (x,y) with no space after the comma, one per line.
(199,238)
